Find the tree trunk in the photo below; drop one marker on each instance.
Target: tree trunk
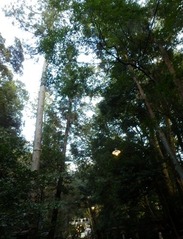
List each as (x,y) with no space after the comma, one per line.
(55,211)
(39,122)
(37,150)
(177,132)
(171,69)
(59,187)
(164,166)
(161,134)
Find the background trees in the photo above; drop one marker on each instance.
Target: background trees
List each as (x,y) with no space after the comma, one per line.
(128,39)
(14,152)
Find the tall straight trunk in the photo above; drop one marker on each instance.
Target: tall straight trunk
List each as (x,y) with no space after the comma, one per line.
(39,122)
(37,149)
(59,187)
(169,184)
(171,69)
(161,134)
(177,132)
(169,151)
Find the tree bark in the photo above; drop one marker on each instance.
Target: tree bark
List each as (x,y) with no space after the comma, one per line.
(59,187)
(37,149)
(39,122)
(162,136)
(171,69)
(164,166)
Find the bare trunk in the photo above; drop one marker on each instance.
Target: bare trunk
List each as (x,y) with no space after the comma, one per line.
(162,136)
(177,132)
(60,180)
(164,166)
(39,121)
(55,211)
(171,69)
(37,150)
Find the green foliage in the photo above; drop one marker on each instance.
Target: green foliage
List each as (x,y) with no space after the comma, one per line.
(12,98)
(13,55)
(14,153)
(14,182)
(128,38)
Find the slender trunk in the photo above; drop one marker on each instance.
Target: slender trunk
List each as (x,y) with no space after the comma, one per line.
(161,134)
(166,207)
(37,151)
(95,231)
(169,133)
(58,193)
(39,122)
(148,206)
(171,69)
(55,211)
(164,166)
(177,132)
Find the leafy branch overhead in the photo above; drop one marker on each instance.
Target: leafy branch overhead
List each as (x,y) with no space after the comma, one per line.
(12,55)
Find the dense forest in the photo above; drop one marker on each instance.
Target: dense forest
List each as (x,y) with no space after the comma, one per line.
(113,107)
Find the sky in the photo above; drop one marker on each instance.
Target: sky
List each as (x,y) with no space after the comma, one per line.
(32,70)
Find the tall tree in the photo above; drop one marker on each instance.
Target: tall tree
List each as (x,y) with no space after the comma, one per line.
(14,152)
(130,42)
